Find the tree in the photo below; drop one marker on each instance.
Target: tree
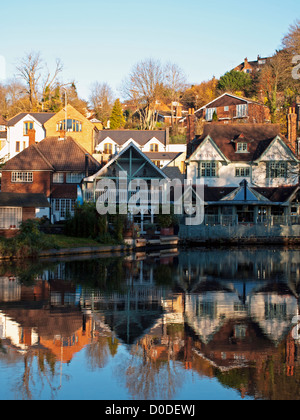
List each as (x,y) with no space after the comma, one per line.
(143,87)
(235,82)
(175,84)
(117,119)
(30,70)
(199,95)
(101,99)
(73,99)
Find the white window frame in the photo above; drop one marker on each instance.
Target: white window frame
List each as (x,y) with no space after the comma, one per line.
(10,217)
(208,169)
(241,110)
(242,172)
(21,176)
(242,147)
(210,113)
(74,177)
(58,178)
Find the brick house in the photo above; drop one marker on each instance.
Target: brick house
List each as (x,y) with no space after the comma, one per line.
(78,126)
(18,207)
(252,67)
(54,167)
(229,108)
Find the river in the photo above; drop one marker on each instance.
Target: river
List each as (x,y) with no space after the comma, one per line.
(196,324)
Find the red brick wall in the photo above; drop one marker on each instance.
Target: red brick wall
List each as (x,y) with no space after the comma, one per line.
(40,184)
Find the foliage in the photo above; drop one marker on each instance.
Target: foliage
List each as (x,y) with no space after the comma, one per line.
(28,242)
(235,81)
(117,119)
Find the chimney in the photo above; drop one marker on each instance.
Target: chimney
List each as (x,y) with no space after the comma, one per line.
(31,136)
(86,165)
(190,133)
(292,127)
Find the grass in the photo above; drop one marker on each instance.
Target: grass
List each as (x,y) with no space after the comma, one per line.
(63,241)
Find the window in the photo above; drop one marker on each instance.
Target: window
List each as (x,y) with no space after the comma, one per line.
(107,149)
(72,125)
(153,147)
(208,169)
(157,163)
(17,146)
(58,178)
(276,169)
(241,110)
(10,217)
(210,113)
(21,176)
(74,178)
(28,125)
(242,172)
(242,147)
(62,207)
(226,108)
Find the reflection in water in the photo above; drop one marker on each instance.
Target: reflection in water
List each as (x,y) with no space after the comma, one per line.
(222,314)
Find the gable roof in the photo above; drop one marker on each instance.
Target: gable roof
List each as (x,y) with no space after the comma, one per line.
(259,137)
(228,99)
(54,155)
(139,136)
(271,195)
(103,170)
(41,117)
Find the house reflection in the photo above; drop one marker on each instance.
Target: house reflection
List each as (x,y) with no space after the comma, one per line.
(224,314)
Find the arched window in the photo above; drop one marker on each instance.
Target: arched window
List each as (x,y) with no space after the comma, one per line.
(72,125)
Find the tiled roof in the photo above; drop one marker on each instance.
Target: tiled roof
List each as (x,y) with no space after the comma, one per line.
(259,136)
(11,199)
(53,154)
(140,136)
(42,117)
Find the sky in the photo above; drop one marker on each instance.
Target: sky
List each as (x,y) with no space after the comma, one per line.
(101,41)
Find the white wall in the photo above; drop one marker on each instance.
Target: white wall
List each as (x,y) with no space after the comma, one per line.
(16,133)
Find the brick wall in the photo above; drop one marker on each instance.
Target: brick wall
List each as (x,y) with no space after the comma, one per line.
(41,183)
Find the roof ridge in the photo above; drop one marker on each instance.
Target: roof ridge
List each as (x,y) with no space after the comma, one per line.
(42,156)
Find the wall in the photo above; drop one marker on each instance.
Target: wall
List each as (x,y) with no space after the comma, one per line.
(16,133)
(85,138)
(40,184)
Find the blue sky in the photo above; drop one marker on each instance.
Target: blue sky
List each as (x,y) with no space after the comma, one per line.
(101,40)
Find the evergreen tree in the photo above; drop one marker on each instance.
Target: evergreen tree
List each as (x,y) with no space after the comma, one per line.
(117,119)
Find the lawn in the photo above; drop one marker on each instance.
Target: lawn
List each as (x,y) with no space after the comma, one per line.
(63,241)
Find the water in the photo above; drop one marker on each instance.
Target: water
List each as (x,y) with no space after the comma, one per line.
(189,325)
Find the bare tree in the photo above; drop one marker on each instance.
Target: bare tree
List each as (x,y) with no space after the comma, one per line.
(102,100)
(30,69)
(143,88)
(175,84)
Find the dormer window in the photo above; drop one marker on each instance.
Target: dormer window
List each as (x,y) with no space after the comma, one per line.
(242,147)
(153,147)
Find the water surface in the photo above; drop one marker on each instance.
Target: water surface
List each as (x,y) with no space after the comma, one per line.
(189,325)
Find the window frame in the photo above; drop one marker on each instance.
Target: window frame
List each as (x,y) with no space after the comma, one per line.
(60,176)
(276,170)
(206,168)
(26,128)
(238,172)
(16,178)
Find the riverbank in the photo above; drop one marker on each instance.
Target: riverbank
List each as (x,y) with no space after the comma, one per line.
(65,245)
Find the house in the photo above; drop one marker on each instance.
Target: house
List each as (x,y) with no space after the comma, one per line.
(252,67)
(224,155)
(54,167)
(18,207)
(138,167)
(23,130)
(3,132)
(154,143)
(169,114)
(78,126)
(229,108)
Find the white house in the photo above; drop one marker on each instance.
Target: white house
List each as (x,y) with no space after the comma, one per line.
(154,143)
(225,155)
(23,129)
